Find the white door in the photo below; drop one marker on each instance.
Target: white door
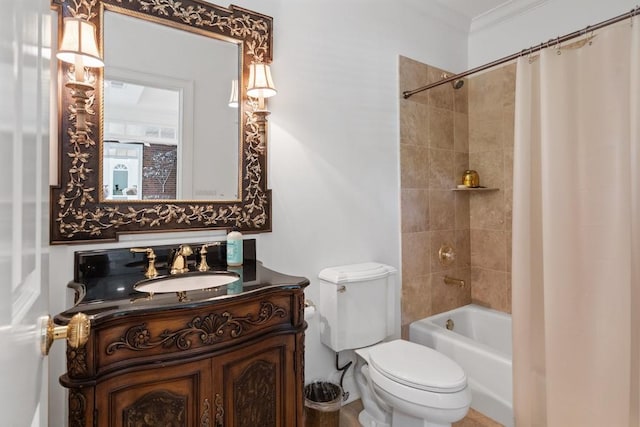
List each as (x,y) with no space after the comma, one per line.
(25,33)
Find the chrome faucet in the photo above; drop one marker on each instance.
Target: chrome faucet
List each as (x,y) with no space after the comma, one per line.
(179,263)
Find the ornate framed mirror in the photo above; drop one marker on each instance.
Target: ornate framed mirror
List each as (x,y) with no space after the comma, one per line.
(139,170)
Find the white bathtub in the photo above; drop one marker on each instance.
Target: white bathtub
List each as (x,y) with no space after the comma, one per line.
(481,343)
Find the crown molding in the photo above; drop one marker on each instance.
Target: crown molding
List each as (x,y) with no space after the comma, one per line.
(444,14)
(503,12)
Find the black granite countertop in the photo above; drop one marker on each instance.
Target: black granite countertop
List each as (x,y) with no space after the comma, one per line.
(104,285)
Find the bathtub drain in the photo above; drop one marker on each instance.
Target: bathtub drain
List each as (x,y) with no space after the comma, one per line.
(450,324)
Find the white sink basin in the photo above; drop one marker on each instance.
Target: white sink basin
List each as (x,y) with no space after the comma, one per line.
(186,282)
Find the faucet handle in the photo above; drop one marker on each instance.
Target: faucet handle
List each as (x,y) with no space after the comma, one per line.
(203,266)
(151,271)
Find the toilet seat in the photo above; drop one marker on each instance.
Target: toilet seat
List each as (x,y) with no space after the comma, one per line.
(417,366)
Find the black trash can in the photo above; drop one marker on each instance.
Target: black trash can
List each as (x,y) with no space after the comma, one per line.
(322,402)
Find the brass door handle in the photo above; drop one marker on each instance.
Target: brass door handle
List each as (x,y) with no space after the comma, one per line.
(76,332)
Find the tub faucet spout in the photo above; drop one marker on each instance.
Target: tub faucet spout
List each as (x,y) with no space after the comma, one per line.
(452,281)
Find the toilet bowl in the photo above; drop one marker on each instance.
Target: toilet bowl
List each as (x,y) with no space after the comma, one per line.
(406,384)
(402,384)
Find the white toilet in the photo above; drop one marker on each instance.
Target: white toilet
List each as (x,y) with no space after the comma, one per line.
(402,384)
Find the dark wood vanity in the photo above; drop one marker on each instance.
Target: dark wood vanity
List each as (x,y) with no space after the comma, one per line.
(228,356)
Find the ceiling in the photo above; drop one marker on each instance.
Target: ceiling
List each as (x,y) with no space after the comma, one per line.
(473,8)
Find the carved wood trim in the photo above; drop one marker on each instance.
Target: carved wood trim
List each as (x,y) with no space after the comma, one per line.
(158,408)
(77,408)
(204,418)
(209,329)
(254,395)
(219,410)
(77,362)
(77,214)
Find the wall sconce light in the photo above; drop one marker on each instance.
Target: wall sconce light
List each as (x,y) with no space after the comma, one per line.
(233,99)
(80,48)
(260,83)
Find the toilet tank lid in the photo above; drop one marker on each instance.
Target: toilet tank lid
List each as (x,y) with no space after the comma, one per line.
(356,272)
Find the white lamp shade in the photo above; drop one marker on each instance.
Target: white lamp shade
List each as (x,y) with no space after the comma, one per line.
(260,83)
(79,40)
(233,99)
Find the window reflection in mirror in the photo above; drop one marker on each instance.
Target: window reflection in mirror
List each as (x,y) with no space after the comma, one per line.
(169,93)
(141,150)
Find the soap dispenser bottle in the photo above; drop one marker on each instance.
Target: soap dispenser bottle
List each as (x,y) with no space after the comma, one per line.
(234,248)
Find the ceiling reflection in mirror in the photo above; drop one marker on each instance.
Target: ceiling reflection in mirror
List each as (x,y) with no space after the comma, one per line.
(169,132)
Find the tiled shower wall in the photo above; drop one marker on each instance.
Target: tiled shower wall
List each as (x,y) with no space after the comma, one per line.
(434,151)
(443,132)
(491,121)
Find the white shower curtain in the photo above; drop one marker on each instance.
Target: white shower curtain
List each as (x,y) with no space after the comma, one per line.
(576,234)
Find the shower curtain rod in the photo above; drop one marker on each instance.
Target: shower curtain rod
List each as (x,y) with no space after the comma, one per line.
(552,42)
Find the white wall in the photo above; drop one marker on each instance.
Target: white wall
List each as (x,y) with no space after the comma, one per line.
(334,138)
(333,147)
(551,19)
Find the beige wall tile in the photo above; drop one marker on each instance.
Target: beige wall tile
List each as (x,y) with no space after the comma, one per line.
(508,209)
(485,130)
(463,248)
(414,166)
(488,249)
(487,210)
(416,252)
(441,173)
(439,96)
(413,74)
(416,299)
(509,82)
(489,288)
(508,168)
(447,297)
(440,128)
(461,132)
(463,213)
(490,167)
(414,210)
(442,209)
(508,126)
(509,245)
(414,123)
(486,91)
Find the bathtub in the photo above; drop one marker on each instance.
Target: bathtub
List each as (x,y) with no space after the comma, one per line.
(480,342)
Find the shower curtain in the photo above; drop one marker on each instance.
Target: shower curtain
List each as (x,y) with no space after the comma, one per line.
(576,234)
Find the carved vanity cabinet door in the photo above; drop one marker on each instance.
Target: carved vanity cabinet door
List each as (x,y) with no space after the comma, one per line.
(177,396)
(255,385)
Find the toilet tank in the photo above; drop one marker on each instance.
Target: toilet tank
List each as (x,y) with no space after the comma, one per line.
(357,305)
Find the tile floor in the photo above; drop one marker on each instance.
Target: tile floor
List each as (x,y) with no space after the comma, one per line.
(349,417)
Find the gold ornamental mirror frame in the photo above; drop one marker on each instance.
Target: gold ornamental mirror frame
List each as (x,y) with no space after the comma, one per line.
(77,213)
